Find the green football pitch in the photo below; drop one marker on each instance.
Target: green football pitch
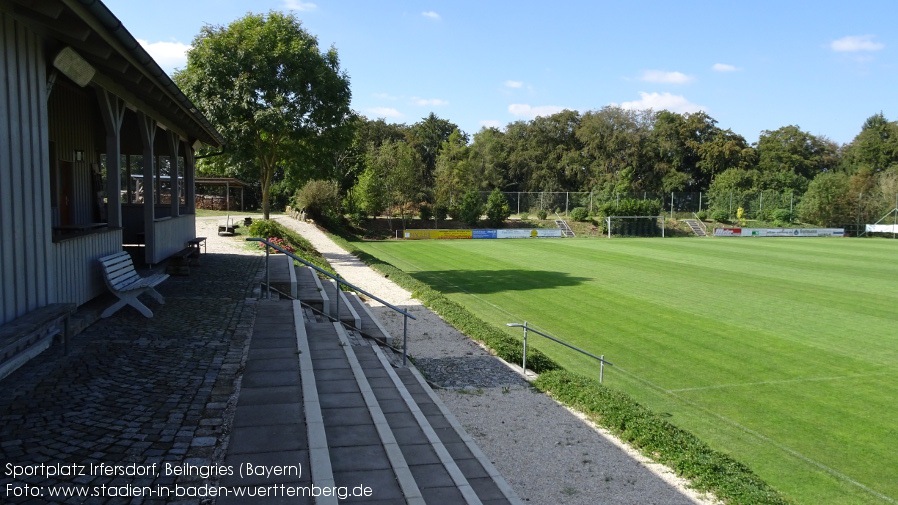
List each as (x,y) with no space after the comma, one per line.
(781,352)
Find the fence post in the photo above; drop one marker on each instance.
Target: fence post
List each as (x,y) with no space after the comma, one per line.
(671,204)
(567,199)
(524,360)
(602,369)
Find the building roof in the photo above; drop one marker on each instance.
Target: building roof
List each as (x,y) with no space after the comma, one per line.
(123,66)
(220,181)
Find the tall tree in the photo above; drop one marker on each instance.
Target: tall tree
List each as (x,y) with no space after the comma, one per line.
(789,157)
(427,137)
(268,88)
(875,148)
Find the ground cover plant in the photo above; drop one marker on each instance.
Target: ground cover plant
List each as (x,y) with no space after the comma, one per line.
(779,352)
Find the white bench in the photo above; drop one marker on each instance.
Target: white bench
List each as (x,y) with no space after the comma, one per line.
(125,283)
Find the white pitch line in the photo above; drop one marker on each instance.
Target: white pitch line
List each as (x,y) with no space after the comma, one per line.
(832,471)
(783,381)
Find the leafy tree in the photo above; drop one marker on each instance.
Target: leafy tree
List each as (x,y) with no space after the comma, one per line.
(396,164)
(497,210)
(454,174)
(617,150)
(470,208)
(875,148)
(370,193)
(320,199)
(427,137)
(789,152)
(272,93)
(828,201)
(731,188)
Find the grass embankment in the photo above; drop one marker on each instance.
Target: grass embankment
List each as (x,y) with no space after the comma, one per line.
(707,469)
(286,239)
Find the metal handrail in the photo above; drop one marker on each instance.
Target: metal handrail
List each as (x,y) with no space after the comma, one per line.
(601,359)
(700,223)
(339,281)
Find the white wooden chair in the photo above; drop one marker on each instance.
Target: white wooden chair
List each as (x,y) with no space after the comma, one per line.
(125,283)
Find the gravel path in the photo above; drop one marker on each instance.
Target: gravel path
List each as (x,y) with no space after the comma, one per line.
(546,452)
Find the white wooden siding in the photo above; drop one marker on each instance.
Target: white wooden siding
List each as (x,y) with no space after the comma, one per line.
(79,277)
(171,236)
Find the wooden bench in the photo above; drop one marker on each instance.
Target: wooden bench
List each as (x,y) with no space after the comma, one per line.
(127,285)
(179,262)
(31,334)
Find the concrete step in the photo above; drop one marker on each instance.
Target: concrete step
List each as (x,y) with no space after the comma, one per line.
(270,424)
(320,397)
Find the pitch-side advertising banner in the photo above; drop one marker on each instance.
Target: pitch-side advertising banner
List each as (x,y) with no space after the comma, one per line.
(779,232)
(480,234)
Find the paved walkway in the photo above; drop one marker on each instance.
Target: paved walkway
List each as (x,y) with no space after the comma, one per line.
(132,393)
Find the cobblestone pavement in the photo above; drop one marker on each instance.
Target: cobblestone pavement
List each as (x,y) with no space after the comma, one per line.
(132,391)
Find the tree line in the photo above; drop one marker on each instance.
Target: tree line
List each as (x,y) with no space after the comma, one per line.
(283,106)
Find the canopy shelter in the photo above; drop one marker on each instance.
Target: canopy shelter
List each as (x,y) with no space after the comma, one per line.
(227,182)
(85,107)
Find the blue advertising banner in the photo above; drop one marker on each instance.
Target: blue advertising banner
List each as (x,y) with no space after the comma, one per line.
(484,233)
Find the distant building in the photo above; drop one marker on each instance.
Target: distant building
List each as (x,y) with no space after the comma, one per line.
(84,113)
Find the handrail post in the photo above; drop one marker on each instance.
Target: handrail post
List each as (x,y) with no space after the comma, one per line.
(601,369)
(337,294)
(524,360)
(404,339)
(267,272)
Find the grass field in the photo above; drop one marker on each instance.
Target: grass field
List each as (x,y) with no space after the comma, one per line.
(780,352)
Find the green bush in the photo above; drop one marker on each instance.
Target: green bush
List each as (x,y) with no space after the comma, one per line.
(702,214)
(579,214)
(541,214)
(783,216)
(440,211)
(470,209)
(720,216)
(497,210)
(425,212)
(631,207)
(265,228)
(269,229)
(320,199)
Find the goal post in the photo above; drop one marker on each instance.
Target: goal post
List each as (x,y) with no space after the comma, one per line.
(635,226)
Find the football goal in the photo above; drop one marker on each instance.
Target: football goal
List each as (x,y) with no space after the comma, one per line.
(635,226)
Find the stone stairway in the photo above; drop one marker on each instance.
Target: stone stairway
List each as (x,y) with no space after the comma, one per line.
(324,398)
(696,228)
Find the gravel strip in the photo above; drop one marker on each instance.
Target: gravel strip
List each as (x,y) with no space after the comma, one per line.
(547,453)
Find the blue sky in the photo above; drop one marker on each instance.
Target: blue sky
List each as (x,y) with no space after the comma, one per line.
(824,66)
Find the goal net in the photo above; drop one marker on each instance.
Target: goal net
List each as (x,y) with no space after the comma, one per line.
(635,226)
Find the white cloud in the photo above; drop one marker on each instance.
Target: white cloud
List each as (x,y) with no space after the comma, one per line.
(169,55)
(855,43)
(723,67)
(662,101)
(425,102)
(666,77)
(431,15)
(384,112)
(530,112)
(514,84)
(490,123)
(299,5)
